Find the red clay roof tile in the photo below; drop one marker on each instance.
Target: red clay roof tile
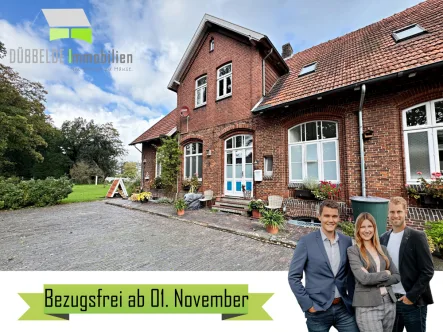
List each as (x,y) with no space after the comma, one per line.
(162,127)
(367,53)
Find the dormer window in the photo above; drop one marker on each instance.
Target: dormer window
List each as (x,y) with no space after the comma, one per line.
(308,69)
(408,32)
(211,45)
(224,81)
(200,91)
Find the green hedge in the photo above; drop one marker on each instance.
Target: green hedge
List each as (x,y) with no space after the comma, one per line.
(15,194)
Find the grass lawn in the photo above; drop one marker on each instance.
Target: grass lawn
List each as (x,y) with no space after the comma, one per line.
(87,193)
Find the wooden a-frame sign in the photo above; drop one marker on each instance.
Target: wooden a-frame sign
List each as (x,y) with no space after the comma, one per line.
(117,186)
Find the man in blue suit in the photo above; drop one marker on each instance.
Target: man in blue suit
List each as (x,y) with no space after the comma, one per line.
(327,297)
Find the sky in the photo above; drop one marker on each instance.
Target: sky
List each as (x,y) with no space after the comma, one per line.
(157,33)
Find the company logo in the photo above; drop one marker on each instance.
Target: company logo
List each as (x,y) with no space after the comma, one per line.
(68,23)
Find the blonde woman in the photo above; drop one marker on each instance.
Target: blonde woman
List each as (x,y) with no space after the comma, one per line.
(374,272)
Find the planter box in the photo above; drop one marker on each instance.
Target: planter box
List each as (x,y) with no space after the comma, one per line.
(430,201)
(304,194)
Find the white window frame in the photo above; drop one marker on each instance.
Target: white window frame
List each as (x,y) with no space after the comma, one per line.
(158,166)
(211,45)
(225,84)
(189,157)
(319,143)
(431,127)
(266,161)
(202,87)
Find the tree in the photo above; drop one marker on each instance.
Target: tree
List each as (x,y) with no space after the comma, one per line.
(22,120)
(94,144)
(82,172)
(169,155)
(130,170)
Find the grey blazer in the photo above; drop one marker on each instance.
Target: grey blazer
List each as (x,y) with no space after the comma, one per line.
(367,285)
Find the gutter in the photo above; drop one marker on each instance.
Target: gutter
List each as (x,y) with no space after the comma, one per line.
(362,147)
(351,86)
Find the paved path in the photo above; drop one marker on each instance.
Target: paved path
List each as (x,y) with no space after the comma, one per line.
(96,236)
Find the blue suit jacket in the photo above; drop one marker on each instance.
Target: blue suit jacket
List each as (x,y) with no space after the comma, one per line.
(310,256)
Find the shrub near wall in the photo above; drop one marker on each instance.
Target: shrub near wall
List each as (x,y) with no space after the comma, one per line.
(15,194)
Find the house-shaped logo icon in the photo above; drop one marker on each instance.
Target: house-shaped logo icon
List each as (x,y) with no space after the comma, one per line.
(68,23)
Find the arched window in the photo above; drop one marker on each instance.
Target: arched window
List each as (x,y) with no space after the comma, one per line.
(313,151)
(193,160)
(423,136)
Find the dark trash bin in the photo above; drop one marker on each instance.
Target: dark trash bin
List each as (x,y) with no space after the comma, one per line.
(376,206)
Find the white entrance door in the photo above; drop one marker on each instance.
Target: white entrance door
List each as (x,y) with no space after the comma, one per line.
(238,165)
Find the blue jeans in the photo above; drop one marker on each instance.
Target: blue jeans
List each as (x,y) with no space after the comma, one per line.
(336,315)
(410,316)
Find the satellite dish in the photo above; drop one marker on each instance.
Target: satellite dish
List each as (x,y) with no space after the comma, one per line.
(184,112)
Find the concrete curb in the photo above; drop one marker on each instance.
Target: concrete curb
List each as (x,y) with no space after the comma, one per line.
(268,239)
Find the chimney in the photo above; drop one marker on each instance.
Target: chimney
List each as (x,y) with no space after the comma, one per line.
(286,50)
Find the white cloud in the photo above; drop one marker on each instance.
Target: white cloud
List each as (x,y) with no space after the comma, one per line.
(71,94)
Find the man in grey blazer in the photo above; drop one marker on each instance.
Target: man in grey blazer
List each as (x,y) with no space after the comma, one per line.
(326,298)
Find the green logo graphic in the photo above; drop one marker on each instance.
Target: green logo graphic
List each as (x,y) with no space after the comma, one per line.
(68,23)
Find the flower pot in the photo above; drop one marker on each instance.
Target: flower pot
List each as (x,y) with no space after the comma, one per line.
(256,214)
(304,194)
(272,229)
(180,212)
(217,198)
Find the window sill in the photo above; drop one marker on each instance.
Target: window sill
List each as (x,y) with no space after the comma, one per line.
(268,177)
(199,107)
(223,98)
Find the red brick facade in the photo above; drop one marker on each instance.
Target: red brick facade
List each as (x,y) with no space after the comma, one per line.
(216,121)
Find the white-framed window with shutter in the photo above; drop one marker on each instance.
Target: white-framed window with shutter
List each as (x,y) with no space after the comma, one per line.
(423,139)
(200,91)
(313,152)
(224,81)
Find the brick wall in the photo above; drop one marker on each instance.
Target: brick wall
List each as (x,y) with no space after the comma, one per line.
(218,120)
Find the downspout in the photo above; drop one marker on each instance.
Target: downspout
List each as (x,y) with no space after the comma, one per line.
(264,73)
(142,165)
(360,132)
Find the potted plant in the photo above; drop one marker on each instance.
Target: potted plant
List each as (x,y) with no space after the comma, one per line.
(256,206)
(326,190)
(305,192)
(273,220)
(180,205)
(429,192)
(434,233)
(144,197)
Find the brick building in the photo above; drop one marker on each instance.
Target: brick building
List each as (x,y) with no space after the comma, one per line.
(296,116)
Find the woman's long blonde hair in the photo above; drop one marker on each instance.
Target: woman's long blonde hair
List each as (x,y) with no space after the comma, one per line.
(375,240)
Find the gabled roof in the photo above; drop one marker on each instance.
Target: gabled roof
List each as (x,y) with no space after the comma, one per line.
(206,23)
(166,126)
(363,55)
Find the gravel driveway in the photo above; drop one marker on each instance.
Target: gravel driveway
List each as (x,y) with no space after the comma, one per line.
(95,236)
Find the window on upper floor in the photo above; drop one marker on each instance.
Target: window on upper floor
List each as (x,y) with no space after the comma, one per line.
(423,139)
(308,69)
(224,81)
(200,91)
(407,32)
(193,160)
(211,45)
(313,151)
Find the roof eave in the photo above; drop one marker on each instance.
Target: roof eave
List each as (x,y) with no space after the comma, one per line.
(263,108)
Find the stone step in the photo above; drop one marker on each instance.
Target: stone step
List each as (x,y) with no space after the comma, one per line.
(232,200)
(234,205)
(231,210)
